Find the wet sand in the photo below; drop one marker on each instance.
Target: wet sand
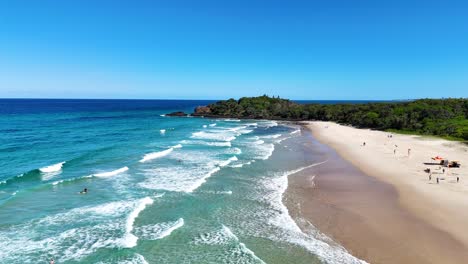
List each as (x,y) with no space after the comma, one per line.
(364,214)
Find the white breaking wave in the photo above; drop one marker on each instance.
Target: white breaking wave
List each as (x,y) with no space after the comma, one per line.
(220,237)
(186,176)
(235,151)
(130,240)
(137,259)
(225,236)
(213,125)
(162,131)
(202,180)
(111,173)
(213,136)
(219,144)
(205,126)
(234,129)
(219,192)
(162,115)
(245,131)
(52,168)
(259,142)
(282,139)
(268,124)
(155,155)
(94,227)
(281,219)
(207,143)
(231,120)
(295,132)
(225,163)
(158,231)
(266,151)
(272,136)
(159,154)
(240,165)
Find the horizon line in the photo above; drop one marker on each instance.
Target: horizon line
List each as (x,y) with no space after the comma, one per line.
(227,98)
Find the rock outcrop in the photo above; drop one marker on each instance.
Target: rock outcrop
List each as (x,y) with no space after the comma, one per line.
(178,113)
(202,111)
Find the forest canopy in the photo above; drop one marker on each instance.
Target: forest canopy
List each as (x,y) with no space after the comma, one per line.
(440,117)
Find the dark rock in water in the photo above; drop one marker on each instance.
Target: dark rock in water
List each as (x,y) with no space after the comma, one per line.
(179,113)
(202,111)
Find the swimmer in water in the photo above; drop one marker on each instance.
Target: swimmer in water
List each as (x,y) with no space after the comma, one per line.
(84,191)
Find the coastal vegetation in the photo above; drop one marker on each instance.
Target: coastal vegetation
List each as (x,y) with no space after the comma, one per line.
(439,117)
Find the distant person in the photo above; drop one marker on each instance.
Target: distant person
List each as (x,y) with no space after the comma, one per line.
(52,261)
(84,191)
(443,171)
(430,176)
(437,180)
(394,151)
(458,179)
(409,152)
(364,144)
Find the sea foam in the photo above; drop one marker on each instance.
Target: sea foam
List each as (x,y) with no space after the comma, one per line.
(159,154)
(52,168)
(111,173)
(279,217)
(238,250)
(158,231)
(130,240)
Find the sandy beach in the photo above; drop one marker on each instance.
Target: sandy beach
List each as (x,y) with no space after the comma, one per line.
(381,205)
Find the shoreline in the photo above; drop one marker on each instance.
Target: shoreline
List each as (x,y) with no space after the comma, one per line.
(371,216)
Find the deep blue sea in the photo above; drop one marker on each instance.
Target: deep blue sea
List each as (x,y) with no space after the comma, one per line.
(160,189)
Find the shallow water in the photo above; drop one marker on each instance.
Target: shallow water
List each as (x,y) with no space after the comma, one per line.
(161,189)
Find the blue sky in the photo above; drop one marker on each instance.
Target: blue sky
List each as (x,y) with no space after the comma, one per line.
(334,49)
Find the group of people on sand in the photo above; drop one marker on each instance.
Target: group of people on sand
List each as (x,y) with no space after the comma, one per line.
(395,149)
(428,170)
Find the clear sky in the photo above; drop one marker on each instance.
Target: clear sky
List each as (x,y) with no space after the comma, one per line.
(327,49)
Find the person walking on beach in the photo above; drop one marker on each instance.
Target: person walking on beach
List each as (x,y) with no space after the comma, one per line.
(394,151)
(364,144)
(409,152)
(430,176)
(458,179)
(437,180)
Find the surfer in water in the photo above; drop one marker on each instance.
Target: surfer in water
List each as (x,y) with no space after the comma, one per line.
(84,191)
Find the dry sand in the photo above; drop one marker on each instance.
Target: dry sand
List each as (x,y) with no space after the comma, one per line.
(384,209)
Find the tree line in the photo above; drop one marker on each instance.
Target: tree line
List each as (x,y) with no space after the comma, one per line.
(440,117)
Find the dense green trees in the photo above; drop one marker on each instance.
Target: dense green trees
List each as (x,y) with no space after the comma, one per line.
(442,117)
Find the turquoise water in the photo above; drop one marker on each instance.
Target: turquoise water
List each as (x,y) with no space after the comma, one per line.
(161,189)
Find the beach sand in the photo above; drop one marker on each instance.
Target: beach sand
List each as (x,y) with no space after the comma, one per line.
(380,206)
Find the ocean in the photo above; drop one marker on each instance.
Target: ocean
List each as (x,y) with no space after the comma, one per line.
(160,189)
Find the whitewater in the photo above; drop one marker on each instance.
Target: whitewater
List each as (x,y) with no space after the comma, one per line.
(160,189)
